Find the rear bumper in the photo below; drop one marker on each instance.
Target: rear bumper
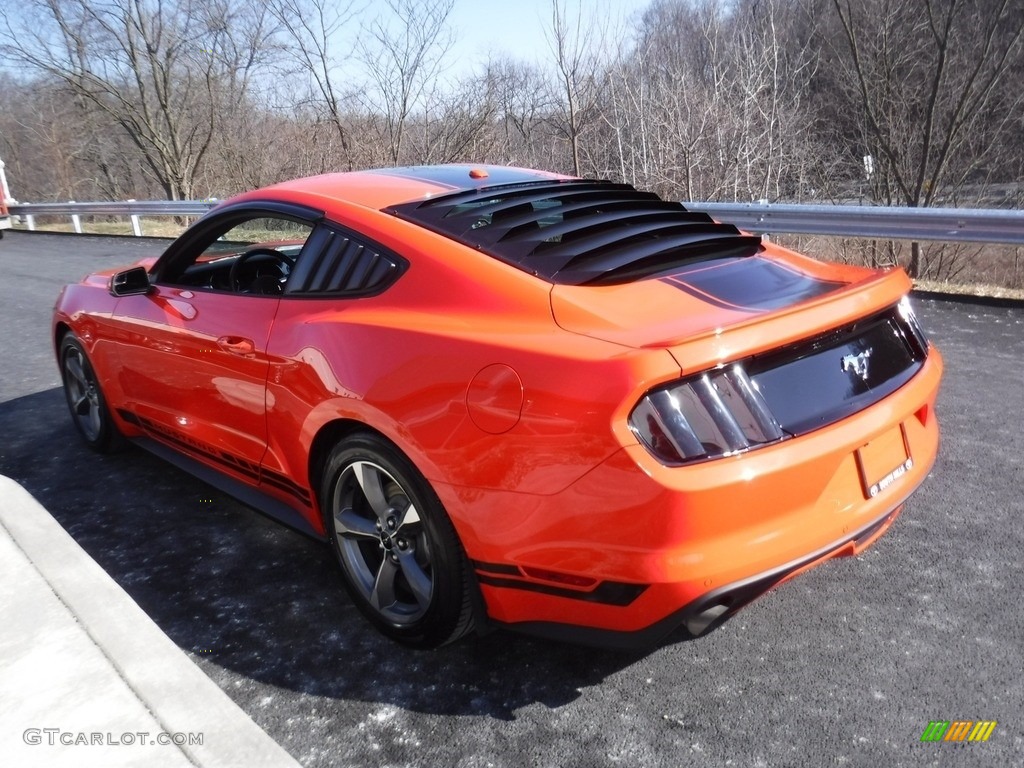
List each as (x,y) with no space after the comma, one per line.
(713,608)
(635,549)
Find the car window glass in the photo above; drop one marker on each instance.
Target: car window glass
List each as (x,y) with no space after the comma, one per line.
(285,235)
(252,255)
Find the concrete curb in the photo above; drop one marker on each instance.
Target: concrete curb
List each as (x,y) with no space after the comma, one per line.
(168,688)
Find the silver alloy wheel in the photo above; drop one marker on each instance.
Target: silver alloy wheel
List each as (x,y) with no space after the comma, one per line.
(383,543)
(82,393)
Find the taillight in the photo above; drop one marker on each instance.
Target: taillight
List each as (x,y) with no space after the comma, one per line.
(704,417)
(783,393)
(910,319)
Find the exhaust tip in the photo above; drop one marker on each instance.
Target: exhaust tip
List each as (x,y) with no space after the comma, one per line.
(699,623)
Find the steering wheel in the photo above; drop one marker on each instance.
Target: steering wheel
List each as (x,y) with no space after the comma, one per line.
(284,264)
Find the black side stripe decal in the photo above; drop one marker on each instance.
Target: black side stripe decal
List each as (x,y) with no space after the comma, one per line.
(505,568)
(606,593)
(247,468)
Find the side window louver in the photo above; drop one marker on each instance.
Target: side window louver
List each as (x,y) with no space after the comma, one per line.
(346,266)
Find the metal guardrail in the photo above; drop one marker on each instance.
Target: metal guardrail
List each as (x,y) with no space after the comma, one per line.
(968,225)
(133,209)
(126,208)
(964,225)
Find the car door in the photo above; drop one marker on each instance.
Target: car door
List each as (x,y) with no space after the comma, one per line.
(320,364)
(193,356)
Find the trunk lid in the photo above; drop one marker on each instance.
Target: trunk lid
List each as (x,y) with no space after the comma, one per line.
(720,311)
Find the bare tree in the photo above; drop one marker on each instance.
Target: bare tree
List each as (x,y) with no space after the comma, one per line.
(573,44)
(455,125)
(709,102)
(403,52)
(314,31)
(166,73)
(930,80)
(521,102)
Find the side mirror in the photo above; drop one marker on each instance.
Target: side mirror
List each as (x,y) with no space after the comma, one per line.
(130,282)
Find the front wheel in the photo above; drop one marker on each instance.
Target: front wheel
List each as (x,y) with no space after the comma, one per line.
(85,398)
(401,560)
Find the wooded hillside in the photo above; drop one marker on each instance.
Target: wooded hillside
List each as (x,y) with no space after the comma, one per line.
(904,102)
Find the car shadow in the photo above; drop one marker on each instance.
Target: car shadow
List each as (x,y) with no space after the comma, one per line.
(246,596)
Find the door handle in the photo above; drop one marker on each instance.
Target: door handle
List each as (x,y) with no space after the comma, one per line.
(237,345)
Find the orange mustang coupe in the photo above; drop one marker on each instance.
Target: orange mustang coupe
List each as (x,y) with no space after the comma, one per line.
(511,398)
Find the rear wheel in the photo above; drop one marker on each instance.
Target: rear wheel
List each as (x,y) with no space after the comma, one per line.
(401,560)
(85,398)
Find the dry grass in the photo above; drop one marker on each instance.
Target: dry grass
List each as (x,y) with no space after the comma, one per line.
(151,227)
(982,269)
(970,289)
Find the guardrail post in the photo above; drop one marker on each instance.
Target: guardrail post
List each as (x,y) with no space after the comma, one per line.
(76,220)
(765,235)
(30,220)
(136,222)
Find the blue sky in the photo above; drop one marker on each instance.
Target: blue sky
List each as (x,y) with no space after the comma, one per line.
(488,28)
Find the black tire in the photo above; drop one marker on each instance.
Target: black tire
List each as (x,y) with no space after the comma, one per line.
(400,557)
(85,400)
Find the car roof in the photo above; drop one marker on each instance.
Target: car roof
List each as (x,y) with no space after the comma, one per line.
(382,188)
(562,229)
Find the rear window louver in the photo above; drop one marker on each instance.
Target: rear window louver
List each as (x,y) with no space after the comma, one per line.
(579,232)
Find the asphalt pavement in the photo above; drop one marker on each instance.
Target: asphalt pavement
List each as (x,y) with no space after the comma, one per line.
(845,665)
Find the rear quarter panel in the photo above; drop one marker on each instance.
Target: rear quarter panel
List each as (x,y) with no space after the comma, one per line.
(402,363)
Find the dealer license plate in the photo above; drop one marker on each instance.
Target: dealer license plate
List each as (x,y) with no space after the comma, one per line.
(883,461)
